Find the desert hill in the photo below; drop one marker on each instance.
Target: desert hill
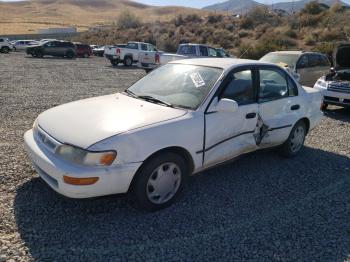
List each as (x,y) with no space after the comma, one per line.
(26,17)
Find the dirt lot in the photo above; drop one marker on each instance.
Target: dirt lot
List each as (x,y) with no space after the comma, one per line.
(262,207)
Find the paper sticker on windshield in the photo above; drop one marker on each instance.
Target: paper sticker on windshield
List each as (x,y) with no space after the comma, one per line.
(197,80)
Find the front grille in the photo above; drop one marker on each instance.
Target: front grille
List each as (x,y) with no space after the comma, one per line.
(343,87)
(45,139)
(334,99)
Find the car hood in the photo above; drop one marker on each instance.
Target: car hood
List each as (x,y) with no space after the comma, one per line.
(86,122)
(341,56)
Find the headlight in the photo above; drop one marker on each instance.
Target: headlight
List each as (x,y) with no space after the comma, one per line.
(321,83)
(84,157)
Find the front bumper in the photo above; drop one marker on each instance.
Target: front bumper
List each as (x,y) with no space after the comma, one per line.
(112,180)
(334,98)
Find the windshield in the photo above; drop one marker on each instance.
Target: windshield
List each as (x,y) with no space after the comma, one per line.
(289,59)
(184,86)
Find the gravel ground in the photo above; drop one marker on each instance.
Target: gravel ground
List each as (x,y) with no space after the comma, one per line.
(260,208)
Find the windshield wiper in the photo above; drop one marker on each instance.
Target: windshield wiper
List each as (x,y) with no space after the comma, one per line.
(130,93)
(155,100)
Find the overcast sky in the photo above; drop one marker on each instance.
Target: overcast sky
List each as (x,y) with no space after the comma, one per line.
(196,3)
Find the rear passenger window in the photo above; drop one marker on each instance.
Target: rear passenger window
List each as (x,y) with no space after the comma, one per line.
(144,47)
(324,61)
(132,46)
(273,85)
(240,88)
(187,50)
(314,60)
(203,51)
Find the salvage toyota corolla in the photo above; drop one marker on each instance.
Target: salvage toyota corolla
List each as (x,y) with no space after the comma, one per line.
(178,120)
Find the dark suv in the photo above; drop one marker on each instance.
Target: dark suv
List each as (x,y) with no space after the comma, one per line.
(83,50)
(53,48)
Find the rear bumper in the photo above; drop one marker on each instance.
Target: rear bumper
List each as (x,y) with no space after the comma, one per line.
(147,66)
(112,57)
(112,180)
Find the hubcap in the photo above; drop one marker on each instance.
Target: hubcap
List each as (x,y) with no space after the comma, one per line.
(297,139)
(163,183)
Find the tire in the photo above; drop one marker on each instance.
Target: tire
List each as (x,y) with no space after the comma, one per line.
(148,71)
(5,49)
(295,141)
(33,54)
(152,191)
(114,62)
(38,54)
(128,61)
(324,106)
(86,55)
(70,54)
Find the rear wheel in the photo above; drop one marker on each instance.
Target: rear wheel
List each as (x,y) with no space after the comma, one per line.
(86,55)
(70,54)
(114,62)
(160,181)
(39,54)
(295,140)
(324,106)
(5,49)
(128,61)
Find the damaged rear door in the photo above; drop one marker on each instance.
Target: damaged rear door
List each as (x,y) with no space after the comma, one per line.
(279,106)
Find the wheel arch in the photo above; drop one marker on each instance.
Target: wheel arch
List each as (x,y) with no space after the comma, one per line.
(306,122)
(174,149)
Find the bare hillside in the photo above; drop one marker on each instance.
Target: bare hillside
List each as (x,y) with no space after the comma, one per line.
(28,16)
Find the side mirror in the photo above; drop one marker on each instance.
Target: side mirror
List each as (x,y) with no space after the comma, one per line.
(227,105)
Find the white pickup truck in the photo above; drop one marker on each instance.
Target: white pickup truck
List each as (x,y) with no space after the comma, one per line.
(150,60)
(128,54)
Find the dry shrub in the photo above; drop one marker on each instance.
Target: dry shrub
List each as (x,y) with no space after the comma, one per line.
(127,20)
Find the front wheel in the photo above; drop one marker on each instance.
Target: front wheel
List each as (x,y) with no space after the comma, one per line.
(160,181)
(324,106)
(295,141)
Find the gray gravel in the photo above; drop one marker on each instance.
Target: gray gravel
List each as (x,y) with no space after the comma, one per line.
(259,208)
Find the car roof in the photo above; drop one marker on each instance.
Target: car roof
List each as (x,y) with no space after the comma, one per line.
(294,52)
(224,63)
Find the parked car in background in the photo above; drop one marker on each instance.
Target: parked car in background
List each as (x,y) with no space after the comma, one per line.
(148,139)
(128,54)
(98,50)
(53,48)
(335,85)
(306,67)
(5,45)
(83,50)
(22,45)
(150,59)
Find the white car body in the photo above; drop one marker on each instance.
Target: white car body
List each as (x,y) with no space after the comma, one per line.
(150,60)
(5,45)
(132,50)
(138,129)
(335,86)
(22,45)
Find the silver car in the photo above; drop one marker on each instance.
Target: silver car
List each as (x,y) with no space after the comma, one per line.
(307,67)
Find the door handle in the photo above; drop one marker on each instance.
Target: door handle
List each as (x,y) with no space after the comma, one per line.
(295,107)
(250,116)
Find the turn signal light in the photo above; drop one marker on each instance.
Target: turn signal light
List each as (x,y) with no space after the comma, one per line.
(80,181)
(107,159)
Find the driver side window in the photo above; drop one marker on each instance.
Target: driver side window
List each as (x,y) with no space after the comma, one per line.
(240,88)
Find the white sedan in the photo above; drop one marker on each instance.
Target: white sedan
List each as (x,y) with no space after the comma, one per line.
(180,119)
